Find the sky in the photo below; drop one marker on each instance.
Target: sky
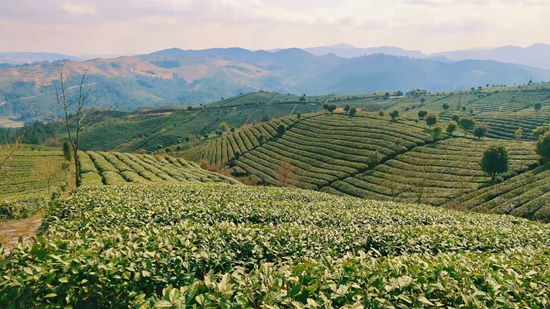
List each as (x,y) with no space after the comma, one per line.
(116,27)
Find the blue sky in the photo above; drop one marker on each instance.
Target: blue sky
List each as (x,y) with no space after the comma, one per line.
(82,27)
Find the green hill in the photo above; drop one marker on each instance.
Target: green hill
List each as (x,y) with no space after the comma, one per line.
(212,245)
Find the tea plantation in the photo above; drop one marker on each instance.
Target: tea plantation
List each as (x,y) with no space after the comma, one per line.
(209,245)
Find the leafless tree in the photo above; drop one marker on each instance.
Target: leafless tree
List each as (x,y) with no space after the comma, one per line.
(78,105)
(6,153)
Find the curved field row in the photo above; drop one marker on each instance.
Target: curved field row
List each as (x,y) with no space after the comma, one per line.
(321,150)
(526,195)
(109,168)
(508,102)
(434,174)
(223,150)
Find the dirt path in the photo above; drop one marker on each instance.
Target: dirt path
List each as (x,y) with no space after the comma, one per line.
(11,230)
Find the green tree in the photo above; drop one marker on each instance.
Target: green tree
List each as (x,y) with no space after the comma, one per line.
(233,130)
(467,123)
(302,99)
(422,114)
(518,134)
(455,118)
(326,106)
(423,100)
(436,132)
(332,108)
(281,129)
(540,131)
(495,160)
(399,93)
(347,108)
(543,147)
(431,119)
(386,95)
(224,127)
(481,130)
(67,151)
(538,106)
(353,111)
(451,127)
(446,106)
(381,113)
(394,115)
(299,116)
(261,139)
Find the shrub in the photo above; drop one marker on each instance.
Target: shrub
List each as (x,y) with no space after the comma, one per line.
(381,113)
(422,114)
(281,129)
(495,160)
(431,119)
(538,106)
(353,111)
(224,127)
(481,130)
(540,131)
(518,134)
(543,147)
(451,127)
(394,115)
(67,151)
(437,131)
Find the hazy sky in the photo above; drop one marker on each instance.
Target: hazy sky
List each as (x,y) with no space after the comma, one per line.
(84,27)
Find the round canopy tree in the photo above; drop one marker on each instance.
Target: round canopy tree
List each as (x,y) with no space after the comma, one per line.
(481,130)
(543,147)
(451,128)
(431,119)
(495,160)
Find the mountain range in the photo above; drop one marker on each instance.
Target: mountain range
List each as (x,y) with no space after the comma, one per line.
(176,76)
(535,55)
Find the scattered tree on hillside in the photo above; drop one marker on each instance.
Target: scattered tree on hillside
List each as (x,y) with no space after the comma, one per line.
(540,131)
(422,114)
(381,113)
(326,106)
(451,128)
(261,139)
(473,89)
(538,106)
(394,115)
(224,127)
(386,95)
(431,119)
(423,100)
(78,112)
(543,147)
(332,108)
(233,130)
(518,134)
(67,151)
(495,160)
(446,106)
(481,130)
(353,111)
(455,118)
(299,116)
(436,132)
(347,108)
(281,129)
(302,99)
(467,123)
(399,93)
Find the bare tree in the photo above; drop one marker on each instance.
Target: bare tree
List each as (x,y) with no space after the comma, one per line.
(53,171)
(6,153)
(78,111)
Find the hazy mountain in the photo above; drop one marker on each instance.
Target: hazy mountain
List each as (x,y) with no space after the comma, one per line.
(24,57)
(176,76)
(349,51)
(535,55)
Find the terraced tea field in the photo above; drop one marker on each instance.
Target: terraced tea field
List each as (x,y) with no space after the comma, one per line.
(434,174)
(29,179)
(223,150)
(320,150)
(112,168)
(211,245)
(526,195)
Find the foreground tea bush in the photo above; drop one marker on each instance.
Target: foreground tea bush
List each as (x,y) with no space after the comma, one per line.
(211,245)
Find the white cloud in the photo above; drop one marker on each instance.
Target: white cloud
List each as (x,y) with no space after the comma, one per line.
(122,26)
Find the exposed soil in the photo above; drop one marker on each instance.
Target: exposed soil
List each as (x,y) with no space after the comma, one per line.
(11,230)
